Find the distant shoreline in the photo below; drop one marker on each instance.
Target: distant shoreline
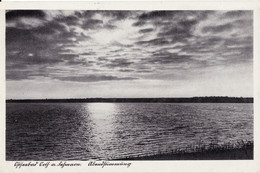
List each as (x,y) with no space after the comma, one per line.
(140,100)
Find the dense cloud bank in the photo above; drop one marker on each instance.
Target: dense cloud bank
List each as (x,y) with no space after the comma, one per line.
(92,46)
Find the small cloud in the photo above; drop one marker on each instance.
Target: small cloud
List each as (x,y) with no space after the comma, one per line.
(237,13)
(126,70)
(50,28)
(166,58)
(17,75)
(92,24)
(72,20)
(120,62)
(156,41)
(146,30)
(88,53)
(156,14)
(117,14)
(109,26)
(93,78)
(144,71)
(15,14)
(139,23)
(218,28)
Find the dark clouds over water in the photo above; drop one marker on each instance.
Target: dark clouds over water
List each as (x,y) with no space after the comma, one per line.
(96,46)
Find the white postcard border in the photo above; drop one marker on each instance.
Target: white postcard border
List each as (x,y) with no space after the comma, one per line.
(141,166)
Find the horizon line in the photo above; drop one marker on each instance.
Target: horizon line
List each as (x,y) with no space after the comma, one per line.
(129,98)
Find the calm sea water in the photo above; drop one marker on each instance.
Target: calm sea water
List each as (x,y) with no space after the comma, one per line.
(82,131)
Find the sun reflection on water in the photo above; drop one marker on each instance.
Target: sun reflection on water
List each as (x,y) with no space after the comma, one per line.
(100,111)
(103,117)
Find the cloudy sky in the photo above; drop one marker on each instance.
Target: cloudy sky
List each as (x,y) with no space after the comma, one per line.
(78,54)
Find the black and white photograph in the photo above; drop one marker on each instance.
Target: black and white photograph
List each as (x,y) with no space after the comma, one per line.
(129,85)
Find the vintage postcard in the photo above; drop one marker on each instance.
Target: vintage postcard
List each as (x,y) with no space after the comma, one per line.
(130,86)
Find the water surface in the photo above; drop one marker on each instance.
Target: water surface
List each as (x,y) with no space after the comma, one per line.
(83,131)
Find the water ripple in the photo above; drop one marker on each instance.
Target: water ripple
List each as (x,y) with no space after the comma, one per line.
(83,131)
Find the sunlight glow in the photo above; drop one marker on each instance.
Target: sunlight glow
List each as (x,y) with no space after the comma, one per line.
(101,110)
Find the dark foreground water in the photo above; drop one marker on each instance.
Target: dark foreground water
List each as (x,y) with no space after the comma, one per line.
(82,131)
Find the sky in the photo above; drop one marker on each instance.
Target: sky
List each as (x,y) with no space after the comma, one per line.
(86,54)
